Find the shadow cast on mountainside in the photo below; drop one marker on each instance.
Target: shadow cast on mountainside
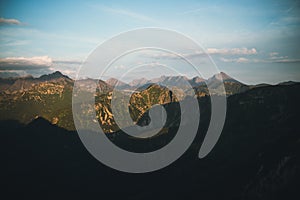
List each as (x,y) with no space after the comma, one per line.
(256,157)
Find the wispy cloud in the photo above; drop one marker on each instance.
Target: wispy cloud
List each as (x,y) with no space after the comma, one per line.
(233,51)
(278,57)
(275,59)
(235,60)
(67,62)
(155,64)
(139,64)
(127,13)
(9,21)
(286,20)
(272,54)
(210,51)
(15,42)
(287,61)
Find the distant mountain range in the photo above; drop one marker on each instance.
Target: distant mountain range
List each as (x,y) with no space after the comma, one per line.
(177,81)
(23,83)
(50,96)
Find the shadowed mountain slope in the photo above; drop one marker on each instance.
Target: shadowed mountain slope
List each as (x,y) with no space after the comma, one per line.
(256,157)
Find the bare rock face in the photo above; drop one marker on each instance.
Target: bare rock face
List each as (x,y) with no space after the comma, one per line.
(142,101)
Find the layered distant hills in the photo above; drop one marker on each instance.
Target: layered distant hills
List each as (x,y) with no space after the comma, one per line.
(174,81)
(50,96)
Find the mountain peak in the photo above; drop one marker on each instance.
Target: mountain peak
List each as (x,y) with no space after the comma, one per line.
(138,82)
(114,81)
(223,75)
(198,79)
(54,75)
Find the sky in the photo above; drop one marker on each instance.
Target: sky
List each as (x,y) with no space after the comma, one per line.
(252,41)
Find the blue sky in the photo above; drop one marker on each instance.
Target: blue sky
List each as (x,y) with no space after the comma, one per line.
(252,41)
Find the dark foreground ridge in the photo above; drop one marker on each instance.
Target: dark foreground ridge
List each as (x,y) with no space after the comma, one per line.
(257,157)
